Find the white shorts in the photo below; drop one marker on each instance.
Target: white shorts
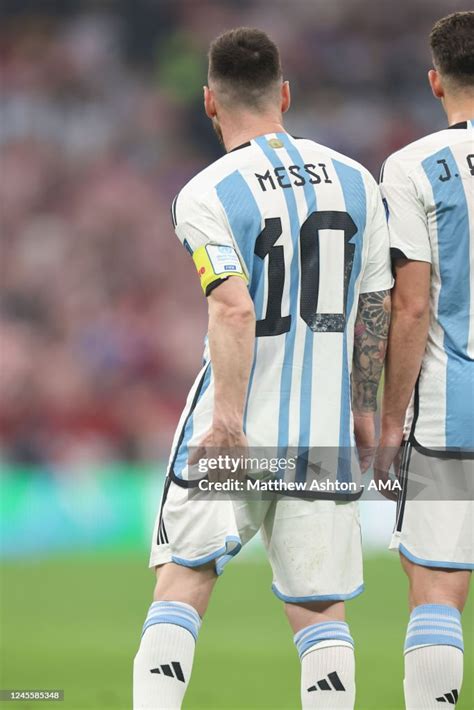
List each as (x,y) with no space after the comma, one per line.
(314,547)
(435,512)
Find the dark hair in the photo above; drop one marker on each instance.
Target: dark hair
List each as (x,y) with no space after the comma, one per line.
(245,63)
(452,44)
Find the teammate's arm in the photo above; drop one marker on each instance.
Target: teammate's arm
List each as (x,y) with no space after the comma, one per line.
(370,340)
(406,345)
(411,251)
(231,343)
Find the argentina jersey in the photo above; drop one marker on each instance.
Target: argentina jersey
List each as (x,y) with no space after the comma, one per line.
(428,188)
(308,229)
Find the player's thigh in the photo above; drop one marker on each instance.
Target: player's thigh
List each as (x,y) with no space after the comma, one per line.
(196,535)
(434,528)
(185,584)
(430,585)
(314,548)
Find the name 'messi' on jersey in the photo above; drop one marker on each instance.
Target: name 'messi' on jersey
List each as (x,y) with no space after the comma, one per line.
(293,176)
(306,228)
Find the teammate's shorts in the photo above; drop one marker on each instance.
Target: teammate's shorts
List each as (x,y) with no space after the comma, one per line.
(314,547)
(435,512)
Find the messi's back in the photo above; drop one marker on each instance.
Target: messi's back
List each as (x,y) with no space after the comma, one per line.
(308,226)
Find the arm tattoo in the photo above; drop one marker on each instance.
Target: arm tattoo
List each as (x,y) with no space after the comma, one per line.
(370,341)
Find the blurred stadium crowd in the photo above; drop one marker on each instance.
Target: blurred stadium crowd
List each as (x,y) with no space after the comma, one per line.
(101,318)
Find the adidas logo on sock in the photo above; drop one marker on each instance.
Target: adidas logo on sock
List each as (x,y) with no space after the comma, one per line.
(450,698)
(172,672)
(333,682)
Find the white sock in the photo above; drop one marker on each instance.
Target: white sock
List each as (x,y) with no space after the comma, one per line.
(163,664)
(327,666)
(433,657)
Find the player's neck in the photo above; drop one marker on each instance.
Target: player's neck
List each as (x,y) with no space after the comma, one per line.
(233,136)
(460,111)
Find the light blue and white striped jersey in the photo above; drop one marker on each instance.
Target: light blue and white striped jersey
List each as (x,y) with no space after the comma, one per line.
(309,228)
(428,188)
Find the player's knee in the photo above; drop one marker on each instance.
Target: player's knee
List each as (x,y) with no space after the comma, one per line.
(302,615)
(191,586)
(436,586)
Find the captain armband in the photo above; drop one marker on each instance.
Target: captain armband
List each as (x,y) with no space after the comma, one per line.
(215,263)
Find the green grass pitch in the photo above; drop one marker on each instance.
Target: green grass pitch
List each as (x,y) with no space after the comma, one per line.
(75,623)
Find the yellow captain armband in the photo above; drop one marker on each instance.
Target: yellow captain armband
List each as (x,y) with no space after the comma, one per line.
(214,263)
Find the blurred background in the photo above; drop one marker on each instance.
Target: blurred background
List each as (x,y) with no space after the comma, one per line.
(102,319)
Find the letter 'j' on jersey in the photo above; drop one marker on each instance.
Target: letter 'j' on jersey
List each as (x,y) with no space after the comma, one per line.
(308,227)
(428,189)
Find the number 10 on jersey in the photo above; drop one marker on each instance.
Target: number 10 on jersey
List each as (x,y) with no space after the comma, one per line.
(320,261)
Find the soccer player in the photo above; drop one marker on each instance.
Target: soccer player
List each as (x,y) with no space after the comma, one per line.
(428,188)
(289,239)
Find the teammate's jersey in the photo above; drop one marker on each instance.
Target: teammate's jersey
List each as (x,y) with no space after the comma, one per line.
(428,188)
(308,227)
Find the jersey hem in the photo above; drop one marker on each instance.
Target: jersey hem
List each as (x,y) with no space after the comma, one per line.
(441,453)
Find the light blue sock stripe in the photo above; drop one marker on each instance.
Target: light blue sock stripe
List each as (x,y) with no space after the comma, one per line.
(434,632)
(185,619)
(170,612)
(430,619)
(319,628)
(434,625)
(311,635)
(173,613)
(174,608)
(433,640)
(165,607)
(176,620)
(327,631)
(439,611)
(330,636)
(439,628)
(417,625)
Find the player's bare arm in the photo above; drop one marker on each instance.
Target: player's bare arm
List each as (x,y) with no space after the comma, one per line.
(371,333)
(406,347)
(231,342)
(370,341)
(406,344)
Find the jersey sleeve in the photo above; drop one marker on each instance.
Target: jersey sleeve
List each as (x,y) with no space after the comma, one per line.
(203,230)
(406,214)
(377,273)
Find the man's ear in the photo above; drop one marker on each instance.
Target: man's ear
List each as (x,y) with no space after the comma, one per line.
(436,84)
(209,103)
(285,96)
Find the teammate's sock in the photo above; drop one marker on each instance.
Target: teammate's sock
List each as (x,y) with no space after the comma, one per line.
(163,664)
(433,657)
(326,651)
